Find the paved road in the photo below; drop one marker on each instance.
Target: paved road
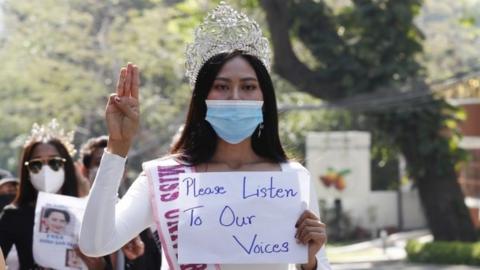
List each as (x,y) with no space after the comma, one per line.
(399,266)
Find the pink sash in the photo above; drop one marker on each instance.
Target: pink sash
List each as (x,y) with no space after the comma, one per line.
(164,191)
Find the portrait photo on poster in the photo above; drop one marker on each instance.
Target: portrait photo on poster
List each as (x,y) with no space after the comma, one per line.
(57,221)
(72,260)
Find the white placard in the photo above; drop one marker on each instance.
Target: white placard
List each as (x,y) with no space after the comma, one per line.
(55,233)
(241,217)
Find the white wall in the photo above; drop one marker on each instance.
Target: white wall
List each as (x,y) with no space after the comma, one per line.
(413,216)
(340,150)
(369,209)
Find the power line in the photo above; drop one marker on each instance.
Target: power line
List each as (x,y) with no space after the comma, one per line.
(388,101)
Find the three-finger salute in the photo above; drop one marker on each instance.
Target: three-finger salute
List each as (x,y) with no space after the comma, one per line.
(123,111)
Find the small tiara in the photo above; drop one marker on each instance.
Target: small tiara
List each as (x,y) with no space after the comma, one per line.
(44,133)
(225,30)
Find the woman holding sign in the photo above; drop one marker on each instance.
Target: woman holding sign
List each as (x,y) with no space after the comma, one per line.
(46,165)
(231,126)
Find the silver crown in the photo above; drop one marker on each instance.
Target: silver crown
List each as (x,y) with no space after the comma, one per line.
(225,30)
(44,133)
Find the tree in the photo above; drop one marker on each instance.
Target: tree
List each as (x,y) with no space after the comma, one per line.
(457,22)
(368,50)
(64,66)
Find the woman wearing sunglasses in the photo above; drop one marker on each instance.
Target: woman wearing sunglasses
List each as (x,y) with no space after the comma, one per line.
(45,165)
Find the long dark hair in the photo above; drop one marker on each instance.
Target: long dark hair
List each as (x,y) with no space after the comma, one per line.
(198,140)
(27,194)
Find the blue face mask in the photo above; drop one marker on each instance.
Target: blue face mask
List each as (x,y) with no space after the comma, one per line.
(234,120)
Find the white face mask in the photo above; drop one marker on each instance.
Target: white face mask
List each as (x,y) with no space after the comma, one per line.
(48,180)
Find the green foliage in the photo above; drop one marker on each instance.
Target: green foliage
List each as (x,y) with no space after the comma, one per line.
(65,66)
(384,174)
(452,30)
(353,48)
(435,126)
(295,124)
(444,252)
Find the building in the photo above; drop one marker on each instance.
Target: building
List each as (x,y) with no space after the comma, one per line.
(466,94)
(340,166)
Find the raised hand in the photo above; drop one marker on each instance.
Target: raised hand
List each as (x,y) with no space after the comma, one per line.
(122,112)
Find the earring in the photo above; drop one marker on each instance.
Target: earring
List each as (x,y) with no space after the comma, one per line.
(260,128)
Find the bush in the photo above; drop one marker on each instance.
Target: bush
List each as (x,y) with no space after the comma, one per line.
(444,252)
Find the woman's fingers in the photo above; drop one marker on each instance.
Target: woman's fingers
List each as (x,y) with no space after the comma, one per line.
(318,237)
(124,104)
(308,228)
(309,223)
(135,82)
(121,82)
(128,80)
(111,100)
(127,106)
(306,214)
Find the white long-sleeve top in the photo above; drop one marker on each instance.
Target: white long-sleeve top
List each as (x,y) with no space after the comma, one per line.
(109,223)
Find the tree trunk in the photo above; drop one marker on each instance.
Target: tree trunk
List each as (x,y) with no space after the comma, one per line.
(442,199)
(431,163)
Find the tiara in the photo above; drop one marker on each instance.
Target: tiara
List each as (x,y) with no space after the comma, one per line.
(225,30)
(44,133)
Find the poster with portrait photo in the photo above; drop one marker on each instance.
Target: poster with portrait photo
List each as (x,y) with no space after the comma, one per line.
(58,219)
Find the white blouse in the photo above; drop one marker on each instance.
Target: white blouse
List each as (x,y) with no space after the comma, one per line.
(109,223)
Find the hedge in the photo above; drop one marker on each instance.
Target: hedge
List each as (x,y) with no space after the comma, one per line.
(439,252)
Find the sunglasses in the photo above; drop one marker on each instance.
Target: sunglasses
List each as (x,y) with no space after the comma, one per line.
(35,165)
